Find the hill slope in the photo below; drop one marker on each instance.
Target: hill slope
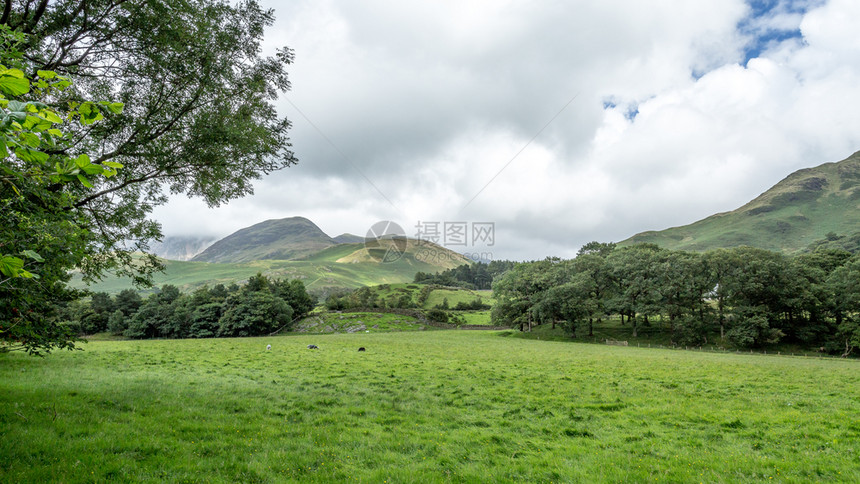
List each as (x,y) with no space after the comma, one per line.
(801,209)
(343,266)
(283,239)
(348,239)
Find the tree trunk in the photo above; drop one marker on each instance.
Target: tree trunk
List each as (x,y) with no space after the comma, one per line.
(722,321)
(590,327)
(633,322)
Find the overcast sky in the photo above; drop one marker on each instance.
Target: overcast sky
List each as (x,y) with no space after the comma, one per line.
(561,122)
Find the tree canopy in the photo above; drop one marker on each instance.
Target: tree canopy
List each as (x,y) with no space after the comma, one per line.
(149,98)
(745,297)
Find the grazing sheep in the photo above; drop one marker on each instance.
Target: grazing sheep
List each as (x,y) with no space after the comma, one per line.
(268,347)
(313,347)
(361,349)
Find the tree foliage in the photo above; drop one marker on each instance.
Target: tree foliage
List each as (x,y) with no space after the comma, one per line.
(259,307)
(745,297)
(185,104)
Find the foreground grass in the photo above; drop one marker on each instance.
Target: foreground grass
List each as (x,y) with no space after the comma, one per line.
(449,406)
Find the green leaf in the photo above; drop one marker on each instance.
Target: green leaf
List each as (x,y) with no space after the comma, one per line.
(31,140)
(32,156)
(55,133)
(86,109)
(33,255)
(116,108)
(83,160)
(46,74)
(51,116)
(48,139)
(112,164)
(17,106)
(16,73)
(86,121)
(84,181)
(14,86)
(37,124)
(11,266)
(93,169)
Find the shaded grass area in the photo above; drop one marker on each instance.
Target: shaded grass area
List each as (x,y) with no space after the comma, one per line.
(442,406)
(454,296)
(656,335)
(475,317)
(351,322)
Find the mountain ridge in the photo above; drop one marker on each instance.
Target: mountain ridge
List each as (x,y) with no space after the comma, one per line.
(275,239)
(802,208)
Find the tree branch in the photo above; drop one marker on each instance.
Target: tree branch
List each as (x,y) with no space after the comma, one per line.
(7,9)
(40,10)
(132,181)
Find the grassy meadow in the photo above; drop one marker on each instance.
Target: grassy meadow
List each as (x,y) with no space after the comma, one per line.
(435,406)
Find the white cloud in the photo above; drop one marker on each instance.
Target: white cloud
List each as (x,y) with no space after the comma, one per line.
(430,100)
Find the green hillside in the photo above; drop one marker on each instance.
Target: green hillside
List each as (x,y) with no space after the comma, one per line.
(803,208)
(284,239)
(344,266)
(348,239)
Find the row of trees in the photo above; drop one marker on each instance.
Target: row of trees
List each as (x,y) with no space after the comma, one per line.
(744,296)
(259,307)
(479,275)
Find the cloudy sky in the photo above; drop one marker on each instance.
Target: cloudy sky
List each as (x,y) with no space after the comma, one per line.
(561,122)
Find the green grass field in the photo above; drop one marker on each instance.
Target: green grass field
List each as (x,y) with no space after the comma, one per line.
(352,322)
(440,406)
(455,296)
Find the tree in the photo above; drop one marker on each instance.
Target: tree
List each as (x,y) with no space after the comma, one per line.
(42,237)
(594,266)
(685,283)
(721,265)
(573,302)
(199,119)
(519,288)
(601,249)
(844,287)
(254,314)
(635,270)
(757,291)
(295,294)
(128,301)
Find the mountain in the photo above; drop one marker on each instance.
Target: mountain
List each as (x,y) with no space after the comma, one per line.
(348,239)
(295,248)
(807,206)
(181,248)
(343,266)
(282,239)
